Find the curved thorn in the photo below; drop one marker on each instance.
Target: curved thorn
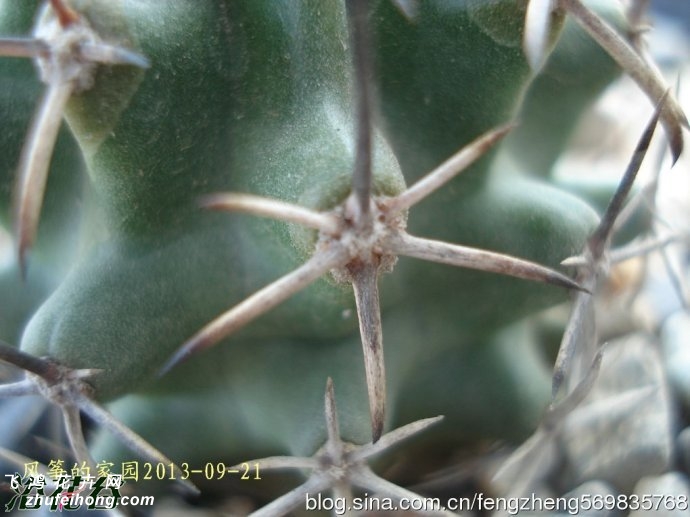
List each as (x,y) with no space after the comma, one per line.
(636,15)
(273,209)
(520,468)
(676,278)
(577,334)
(642,200)
(341,490)
(19,389)
(334,444)
(365,479)
(537,29)
(19,460)
(365,284)
(75,435)
(66,15)
(30,363)
(449,169)
(598,241)
(85,373)
(23,47)
(258,303)
(576,261)
(647,78)
(294,498)
(392,438)
(128,437)
(556,413)
(34,165)
(331,413)
(637,249)
(613,408)
(111,54)
(473,258)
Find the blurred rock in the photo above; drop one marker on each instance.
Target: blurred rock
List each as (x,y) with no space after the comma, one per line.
(683,448)
(667,495)
(675,346)
(623,430)
(590,496)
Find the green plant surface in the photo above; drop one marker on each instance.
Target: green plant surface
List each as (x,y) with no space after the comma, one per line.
(257,97)
(429,108)
(221,260)
(546,122)
(170,260)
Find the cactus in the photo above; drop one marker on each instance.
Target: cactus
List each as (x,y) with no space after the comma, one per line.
(334,122)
